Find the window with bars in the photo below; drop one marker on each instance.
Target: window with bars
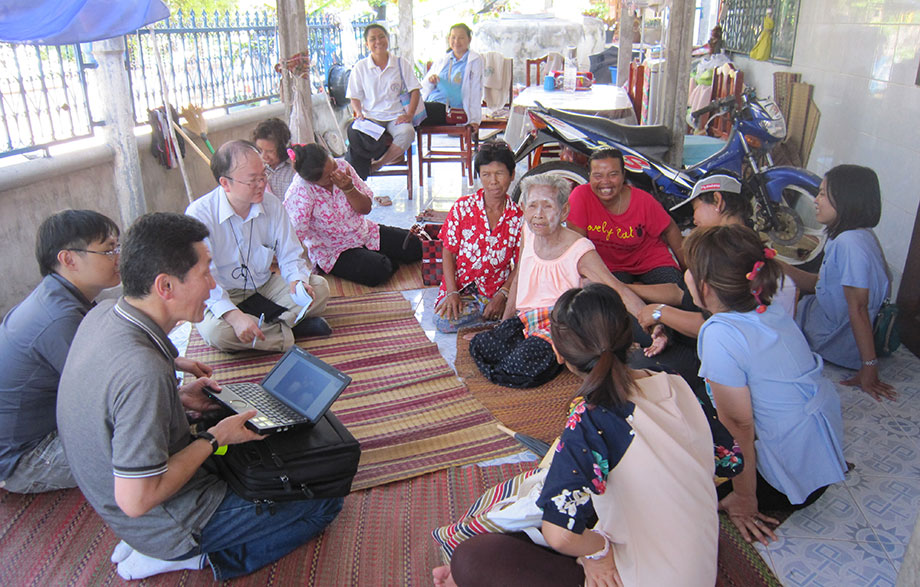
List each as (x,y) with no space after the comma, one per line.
(742,21)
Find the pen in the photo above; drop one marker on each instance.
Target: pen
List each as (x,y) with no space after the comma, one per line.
(261,322)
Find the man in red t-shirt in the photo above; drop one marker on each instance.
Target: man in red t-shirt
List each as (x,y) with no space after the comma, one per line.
(629,228)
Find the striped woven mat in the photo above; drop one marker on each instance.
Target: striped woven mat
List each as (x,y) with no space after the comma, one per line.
(537,411)
(405,405)
(406,277)
(381,537)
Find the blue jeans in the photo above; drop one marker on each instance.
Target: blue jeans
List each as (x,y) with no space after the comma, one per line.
(238,541)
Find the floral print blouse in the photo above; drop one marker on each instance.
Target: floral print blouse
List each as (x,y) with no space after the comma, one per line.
(484,257)
(326,223)
(594,440)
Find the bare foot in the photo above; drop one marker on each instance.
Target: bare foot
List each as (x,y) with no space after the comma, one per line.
(442,576)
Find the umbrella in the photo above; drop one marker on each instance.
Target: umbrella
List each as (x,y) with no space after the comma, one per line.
(534,445)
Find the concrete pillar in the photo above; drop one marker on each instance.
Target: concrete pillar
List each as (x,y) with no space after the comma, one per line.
(624,57)
(292,39)
(119,128)
(406,31)
(677,76)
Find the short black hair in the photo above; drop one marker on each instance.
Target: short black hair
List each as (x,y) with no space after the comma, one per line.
(274,130)
(464,28)
(70,229)
(492,151)
(310,161)
(854,192)
(228,156)
(159,242)
(372,26)
(600,154)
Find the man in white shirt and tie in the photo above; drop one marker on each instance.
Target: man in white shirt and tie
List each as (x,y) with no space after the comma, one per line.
(248,228)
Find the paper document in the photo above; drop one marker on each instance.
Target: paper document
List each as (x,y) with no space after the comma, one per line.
(370,128)
(301,298)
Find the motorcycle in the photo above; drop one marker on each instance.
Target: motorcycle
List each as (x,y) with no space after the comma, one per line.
(783,196)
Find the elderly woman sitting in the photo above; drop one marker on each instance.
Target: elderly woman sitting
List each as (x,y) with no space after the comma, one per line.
(553,259)
(327,203)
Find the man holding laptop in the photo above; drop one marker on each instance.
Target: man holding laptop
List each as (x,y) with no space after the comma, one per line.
(251,307)
(121,417)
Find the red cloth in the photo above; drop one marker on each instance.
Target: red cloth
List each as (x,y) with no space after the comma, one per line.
(629,242)
(483,257)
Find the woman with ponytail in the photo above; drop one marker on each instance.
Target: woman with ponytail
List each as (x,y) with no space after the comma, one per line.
(766,383)
(327,203)
(629,498)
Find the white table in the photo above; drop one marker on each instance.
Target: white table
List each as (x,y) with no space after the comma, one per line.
(601,100)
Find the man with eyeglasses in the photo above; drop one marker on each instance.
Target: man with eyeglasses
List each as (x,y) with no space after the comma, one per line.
(248,228)
(77,252)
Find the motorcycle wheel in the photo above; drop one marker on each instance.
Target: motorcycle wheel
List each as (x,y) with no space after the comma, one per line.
(802,235)
(576,174)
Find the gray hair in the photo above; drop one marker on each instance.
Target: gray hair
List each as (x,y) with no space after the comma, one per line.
(560,186)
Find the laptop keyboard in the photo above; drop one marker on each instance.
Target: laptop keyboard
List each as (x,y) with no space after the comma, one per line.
(277,412)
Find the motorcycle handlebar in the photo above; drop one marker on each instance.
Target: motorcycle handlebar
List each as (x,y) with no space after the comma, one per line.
(714,105)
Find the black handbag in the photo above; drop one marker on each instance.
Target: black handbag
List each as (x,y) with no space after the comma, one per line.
(301,463)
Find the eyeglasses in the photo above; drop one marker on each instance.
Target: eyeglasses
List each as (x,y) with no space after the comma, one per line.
(259,181)
(110,254)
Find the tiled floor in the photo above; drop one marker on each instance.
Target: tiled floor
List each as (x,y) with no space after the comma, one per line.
(856,534)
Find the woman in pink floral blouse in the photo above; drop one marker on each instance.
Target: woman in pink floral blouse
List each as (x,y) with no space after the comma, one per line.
(481,237)
(327,203)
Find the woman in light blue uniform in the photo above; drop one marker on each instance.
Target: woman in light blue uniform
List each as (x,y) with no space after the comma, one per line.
(455,81)
(766,382)
(853,281)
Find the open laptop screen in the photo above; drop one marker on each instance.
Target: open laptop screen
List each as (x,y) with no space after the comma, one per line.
(305,383)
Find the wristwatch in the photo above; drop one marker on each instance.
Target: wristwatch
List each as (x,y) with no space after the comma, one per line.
(656,313)
(210,438)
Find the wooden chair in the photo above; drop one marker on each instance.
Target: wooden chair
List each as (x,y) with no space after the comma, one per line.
(635,87)
(462,154)
(398,168)
(534,65)
(726,81)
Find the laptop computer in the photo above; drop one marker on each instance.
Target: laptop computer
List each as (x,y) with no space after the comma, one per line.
(297,391)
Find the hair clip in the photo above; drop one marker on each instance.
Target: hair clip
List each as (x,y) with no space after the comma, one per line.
(769,253)
(761,307)
(291,154)
(753,272)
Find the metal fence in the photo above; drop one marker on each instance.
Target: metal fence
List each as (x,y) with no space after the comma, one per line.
(43,97)
(216,61)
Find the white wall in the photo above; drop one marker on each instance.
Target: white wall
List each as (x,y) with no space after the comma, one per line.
(862,59)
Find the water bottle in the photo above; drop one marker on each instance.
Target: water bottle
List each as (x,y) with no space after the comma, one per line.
(570,73)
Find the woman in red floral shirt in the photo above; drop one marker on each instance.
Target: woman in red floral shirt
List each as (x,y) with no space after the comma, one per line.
(481,237)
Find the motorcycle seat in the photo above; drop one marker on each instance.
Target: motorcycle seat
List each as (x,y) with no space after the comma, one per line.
(626,134)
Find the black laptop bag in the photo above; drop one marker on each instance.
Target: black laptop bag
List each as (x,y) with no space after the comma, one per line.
(300,463)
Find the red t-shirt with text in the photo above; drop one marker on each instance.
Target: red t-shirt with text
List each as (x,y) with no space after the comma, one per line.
(630,241)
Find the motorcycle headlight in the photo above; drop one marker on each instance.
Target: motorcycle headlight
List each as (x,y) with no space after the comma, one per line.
(775,125)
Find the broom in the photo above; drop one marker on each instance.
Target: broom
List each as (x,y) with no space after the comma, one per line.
(196,123)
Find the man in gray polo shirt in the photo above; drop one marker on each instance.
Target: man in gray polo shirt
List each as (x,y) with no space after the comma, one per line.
(122,421)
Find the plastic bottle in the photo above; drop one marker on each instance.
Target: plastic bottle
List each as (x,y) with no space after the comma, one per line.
(570,73)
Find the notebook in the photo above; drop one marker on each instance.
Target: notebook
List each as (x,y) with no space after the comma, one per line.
(297,391)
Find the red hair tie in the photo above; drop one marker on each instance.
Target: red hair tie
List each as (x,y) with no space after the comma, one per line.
(761,307)
(291,154)
(769,253)
(753,272)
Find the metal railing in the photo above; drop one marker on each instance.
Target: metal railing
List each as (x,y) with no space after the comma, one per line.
(43,97)
(211,61)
